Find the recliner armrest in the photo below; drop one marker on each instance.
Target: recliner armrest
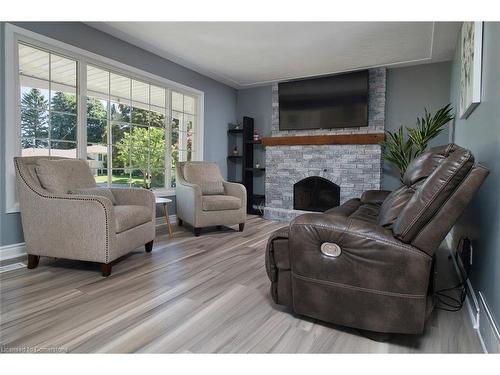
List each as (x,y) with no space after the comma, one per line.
(374,196)
(370,257)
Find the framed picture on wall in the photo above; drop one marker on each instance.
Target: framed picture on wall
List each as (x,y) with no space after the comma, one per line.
(470,70)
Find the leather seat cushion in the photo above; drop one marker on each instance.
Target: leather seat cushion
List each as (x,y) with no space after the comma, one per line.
(130,216)
(220,203)
(367,212)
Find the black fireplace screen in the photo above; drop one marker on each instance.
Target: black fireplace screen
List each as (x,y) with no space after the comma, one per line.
(315,194)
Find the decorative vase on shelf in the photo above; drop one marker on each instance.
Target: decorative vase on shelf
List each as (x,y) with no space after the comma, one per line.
(255,135)
(235,151)
(257,165)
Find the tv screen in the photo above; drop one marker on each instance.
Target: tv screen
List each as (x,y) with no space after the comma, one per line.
(339,101)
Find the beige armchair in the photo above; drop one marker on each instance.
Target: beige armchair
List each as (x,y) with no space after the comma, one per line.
(205,199)
(65,215)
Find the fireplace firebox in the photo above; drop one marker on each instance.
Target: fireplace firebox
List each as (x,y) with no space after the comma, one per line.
(315,194)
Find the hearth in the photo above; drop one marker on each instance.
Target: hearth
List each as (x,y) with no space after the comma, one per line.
(315,194)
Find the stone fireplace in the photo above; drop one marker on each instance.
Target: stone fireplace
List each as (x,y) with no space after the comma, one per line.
(354,168)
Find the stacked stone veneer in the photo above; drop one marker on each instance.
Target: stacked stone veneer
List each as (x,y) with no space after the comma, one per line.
(355,168)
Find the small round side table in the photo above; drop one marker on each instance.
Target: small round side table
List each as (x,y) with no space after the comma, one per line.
(164,202)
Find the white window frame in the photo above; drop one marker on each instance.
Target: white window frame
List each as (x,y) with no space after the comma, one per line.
(14,35)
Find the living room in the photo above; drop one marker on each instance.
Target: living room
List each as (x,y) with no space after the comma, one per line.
(181,186)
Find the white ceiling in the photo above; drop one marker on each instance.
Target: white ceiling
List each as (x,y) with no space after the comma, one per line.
(246,54)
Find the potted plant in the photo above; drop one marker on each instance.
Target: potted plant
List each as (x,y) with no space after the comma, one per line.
(400,148)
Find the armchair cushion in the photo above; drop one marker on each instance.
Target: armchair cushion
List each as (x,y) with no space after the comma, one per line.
(59,176)
(220,203)
(130,216)
(100,191)
(206,175)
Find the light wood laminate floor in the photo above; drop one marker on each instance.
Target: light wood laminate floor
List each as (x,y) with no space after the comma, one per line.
(190,295)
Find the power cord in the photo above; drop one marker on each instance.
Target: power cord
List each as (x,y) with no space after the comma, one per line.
(447,302)
(446,299)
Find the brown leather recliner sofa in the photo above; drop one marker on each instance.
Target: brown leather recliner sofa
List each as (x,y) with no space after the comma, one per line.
(367,263)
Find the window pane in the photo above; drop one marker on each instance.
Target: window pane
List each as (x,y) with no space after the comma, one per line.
(34,123)
(177,101)
(62,126)
(63,149)
(120,177)
(188,104)
(33,62)
(97,131)
(101,177)
(34,147)
(97,156)
(121,155)
(158,178)
(157,117)
(97,108)
(140,178)
(157,148)
(139,136)
(63,102)
(97,80)
(177,121)
(139,158)
(120,112)
(189,119)
(34,93)
(140,93)
(158,96)
(140,116)
(120,132)
(63,70)
(120,86)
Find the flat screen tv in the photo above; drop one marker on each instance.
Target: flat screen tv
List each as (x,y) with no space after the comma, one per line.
(339,101)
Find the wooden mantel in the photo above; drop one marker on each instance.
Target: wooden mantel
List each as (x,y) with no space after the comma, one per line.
(339,139)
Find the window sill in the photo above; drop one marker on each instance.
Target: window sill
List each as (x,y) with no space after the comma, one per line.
(164,192)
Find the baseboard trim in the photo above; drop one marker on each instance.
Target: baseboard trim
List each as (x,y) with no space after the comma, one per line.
(13,251)
(488,331)
(482,321)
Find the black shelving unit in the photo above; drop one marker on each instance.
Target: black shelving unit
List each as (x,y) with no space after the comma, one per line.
(243,165)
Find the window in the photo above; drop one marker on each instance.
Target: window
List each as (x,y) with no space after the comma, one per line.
(128,130)
(48,103)
(72,103)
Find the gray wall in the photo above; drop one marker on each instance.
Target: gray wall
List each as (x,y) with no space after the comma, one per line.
(220,99)
(481,134)
(257,103)
(409,91)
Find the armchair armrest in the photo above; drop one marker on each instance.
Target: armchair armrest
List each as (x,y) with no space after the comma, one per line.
(370,257)
(236,190)
(188,198)
(134,196)
(374,196)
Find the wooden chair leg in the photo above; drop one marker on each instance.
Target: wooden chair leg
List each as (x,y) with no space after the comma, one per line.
(241,226)
(149,246)
(33,261)
(197,231)
(106,269)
